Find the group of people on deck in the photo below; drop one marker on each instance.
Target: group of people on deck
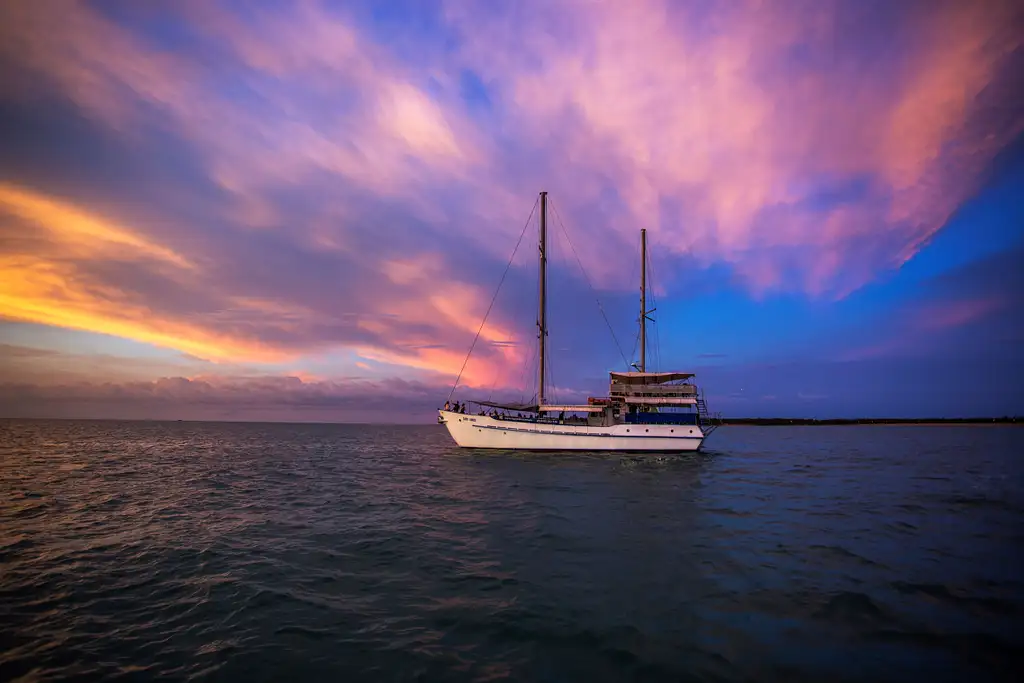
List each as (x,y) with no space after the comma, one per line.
(455,407)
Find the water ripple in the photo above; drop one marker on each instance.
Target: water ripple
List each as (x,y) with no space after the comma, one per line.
(132,551)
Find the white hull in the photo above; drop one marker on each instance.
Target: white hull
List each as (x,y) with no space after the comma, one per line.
(481,431)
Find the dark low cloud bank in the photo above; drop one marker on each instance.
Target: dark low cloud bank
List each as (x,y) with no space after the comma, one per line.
(901,387)
(265,398)
(245,399)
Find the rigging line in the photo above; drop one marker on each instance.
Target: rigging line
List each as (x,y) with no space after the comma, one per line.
(529,357)
(529,374)
(551,383)
(636,337)
(587,278)
(656,351)
(523,367)
(550,388)
(550,367)
(657,343)
(493,299)
(490,392)
(528,368)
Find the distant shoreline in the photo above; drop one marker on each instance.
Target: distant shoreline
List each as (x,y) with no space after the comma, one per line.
(785,421)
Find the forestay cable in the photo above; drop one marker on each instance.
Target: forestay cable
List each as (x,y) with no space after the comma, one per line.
(592,290)
(654,301)
(493,298)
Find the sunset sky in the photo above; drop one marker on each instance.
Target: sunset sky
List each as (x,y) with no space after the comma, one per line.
(265,210)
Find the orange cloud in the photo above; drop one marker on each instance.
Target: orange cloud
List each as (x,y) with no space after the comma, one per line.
(48,279)
(77,234)
(454,304)
(44,281)
(636,114)
(51,293)
(647,97)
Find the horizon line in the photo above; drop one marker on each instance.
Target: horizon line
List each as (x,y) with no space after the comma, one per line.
(724,421)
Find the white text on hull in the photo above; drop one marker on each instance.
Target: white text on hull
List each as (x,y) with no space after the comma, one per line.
(482,431)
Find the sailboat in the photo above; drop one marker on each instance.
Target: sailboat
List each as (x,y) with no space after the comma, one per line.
(642,411)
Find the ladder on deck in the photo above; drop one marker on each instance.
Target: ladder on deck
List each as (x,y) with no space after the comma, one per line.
(706,422)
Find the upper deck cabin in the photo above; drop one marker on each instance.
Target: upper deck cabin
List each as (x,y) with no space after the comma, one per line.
(652,388)
(644,396)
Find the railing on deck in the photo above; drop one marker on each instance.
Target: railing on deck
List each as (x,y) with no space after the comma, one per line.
(654,391)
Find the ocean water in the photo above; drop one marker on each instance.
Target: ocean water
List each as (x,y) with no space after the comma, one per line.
(269,552)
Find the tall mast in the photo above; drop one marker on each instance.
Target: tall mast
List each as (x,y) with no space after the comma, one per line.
(542,321)
(643,300)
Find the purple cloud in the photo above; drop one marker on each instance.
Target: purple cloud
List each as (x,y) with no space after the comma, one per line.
(287,185)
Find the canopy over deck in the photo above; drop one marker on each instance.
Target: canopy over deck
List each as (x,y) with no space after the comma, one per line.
(549,408)
(648,377)
(525,407)
(659,401)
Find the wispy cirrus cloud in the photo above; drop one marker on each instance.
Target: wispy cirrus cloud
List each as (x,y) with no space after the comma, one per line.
(342,195)
(59,260)
(778,137)
(797,141)
(969,311)
(383,137)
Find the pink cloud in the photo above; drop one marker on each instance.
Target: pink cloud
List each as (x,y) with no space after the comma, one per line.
(752,134)
(658,102)
(413,311)
(939,316)
(661,102)
(916,328)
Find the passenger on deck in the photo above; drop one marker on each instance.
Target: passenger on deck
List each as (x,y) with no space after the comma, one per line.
(447,405)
